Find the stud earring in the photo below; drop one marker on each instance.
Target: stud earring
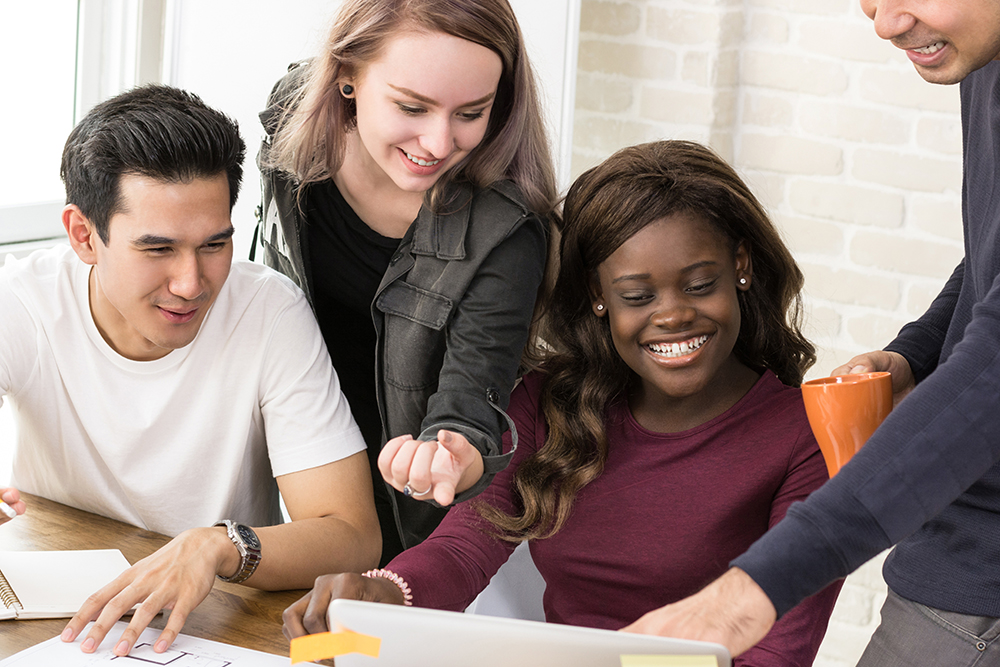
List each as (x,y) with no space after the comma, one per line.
(743,281)
(348,89)
(600,306)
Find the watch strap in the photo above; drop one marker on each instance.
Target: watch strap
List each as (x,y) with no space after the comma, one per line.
(249,555)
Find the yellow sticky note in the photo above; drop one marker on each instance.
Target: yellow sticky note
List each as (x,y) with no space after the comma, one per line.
(669,661)
(324,645)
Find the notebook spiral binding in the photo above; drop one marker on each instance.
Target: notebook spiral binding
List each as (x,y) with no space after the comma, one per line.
(7,595)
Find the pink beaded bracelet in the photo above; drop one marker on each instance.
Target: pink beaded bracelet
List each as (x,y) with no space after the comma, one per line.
(394,578)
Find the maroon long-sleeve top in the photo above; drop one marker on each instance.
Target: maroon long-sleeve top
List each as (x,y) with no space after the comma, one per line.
(664,519)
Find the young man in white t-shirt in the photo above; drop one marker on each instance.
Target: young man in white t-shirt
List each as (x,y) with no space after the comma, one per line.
(158,382)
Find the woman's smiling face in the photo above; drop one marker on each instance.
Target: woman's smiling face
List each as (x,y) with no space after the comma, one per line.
(670,294)
(422,106)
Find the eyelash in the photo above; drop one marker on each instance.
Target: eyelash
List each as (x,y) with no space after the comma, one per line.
(417,111)
(697,289)
(702,287)
(216,245)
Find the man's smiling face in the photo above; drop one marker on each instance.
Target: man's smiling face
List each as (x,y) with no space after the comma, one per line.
(945,40)
(168,256)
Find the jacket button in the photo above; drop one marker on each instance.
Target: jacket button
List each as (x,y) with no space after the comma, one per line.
(492,395)
(981,645)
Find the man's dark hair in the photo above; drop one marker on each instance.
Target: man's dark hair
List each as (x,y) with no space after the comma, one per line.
(155,131)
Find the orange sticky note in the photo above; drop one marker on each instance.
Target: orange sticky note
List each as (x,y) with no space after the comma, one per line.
(669,661)
(324,645)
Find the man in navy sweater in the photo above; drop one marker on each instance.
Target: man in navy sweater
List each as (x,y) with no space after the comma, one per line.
(928,481)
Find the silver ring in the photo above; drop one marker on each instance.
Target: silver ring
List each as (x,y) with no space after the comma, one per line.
(410,493)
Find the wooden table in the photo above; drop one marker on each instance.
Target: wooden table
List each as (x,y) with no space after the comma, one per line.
(232,614)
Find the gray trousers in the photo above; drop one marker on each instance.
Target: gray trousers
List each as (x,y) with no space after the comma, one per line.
(915,635)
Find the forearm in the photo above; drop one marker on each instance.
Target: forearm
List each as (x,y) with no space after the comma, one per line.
(294,554)
(920,342)
(485,341)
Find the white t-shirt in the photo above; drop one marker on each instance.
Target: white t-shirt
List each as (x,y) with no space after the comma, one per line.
(196,436)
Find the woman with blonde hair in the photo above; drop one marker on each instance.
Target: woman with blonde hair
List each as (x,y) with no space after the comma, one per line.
(407,185)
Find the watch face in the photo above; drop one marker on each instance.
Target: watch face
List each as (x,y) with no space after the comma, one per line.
(248,536)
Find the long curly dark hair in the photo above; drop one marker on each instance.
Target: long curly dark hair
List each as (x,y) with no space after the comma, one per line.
(584,374)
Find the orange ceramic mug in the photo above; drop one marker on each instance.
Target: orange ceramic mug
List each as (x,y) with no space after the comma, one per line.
(843,412)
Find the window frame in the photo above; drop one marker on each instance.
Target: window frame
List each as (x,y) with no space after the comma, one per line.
(119,44)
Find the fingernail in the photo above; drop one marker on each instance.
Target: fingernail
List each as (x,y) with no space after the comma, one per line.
(67,635)
(122,648)
(161,646)
(88,645)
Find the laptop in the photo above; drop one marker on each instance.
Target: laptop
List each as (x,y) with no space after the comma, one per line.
(431,638)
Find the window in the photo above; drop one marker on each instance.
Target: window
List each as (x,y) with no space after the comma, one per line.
(57,59)
(38,62)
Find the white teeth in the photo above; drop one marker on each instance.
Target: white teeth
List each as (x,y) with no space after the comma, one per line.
(671,350)
(422,163)
(933,48)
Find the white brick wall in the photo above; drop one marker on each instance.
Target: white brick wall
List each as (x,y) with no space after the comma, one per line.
(857,158)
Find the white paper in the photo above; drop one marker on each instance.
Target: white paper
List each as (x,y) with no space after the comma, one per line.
(186,651)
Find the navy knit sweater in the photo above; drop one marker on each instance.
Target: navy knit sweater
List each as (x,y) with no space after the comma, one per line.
(929,479)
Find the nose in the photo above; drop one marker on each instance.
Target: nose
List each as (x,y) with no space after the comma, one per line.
(439,139)
(187,277)
(673,315)
(891,17)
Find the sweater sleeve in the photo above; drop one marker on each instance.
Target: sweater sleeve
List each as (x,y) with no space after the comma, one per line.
(934,445)
(452,566)
(795,638)
(920,341)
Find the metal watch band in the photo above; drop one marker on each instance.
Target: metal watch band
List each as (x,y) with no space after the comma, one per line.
(249,549)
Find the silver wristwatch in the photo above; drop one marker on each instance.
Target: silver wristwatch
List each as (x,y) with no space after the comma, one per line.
(249,547)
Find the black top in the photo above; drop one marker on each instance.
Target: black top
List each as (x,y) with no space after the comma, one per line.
(347,259)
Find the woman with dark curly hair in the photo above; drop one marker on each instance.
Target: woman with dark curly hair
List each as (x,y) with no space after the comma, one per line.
(663,430)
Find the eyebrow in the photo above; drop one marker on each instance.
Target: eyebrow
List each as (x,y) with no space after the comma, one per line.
(149,240)
(427,100)
(646,276)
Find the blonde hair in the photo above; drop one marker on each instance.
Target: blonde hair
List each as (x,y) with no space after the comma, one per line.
(311,137)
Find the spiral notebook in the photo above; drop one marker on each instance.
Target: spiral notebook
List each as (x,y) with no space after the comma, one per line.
(54,584)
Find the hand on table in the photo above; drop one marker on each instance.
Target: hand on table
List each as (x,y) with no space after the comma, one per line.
(178,577)
(13,500)
(880,360)
(439,468)
(733,611)
(307,616)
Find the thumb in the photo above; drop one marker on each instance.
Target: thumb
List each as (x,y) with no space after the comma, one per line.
(454,443)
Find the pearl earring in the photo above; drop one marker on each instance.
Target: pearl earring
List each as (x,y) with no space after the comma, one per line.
(743,281)
(600,306)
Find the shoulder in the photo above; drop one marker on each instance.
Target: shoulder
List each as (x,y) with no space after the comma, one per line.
(504,198)
(41,274)
(529,387)
(774,406)
(258,288)
(498,210)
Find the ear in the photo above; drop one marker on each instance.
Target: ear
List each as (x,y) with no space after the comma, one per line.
(346,79)
(744,266)
(596,297)
(82,235)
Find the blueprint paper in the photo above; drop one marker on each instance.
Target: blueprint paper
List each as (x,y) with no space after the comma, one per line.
(186,651)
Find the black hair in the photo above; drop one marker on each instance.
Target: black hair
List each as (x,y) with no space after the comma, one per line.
(155,131)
